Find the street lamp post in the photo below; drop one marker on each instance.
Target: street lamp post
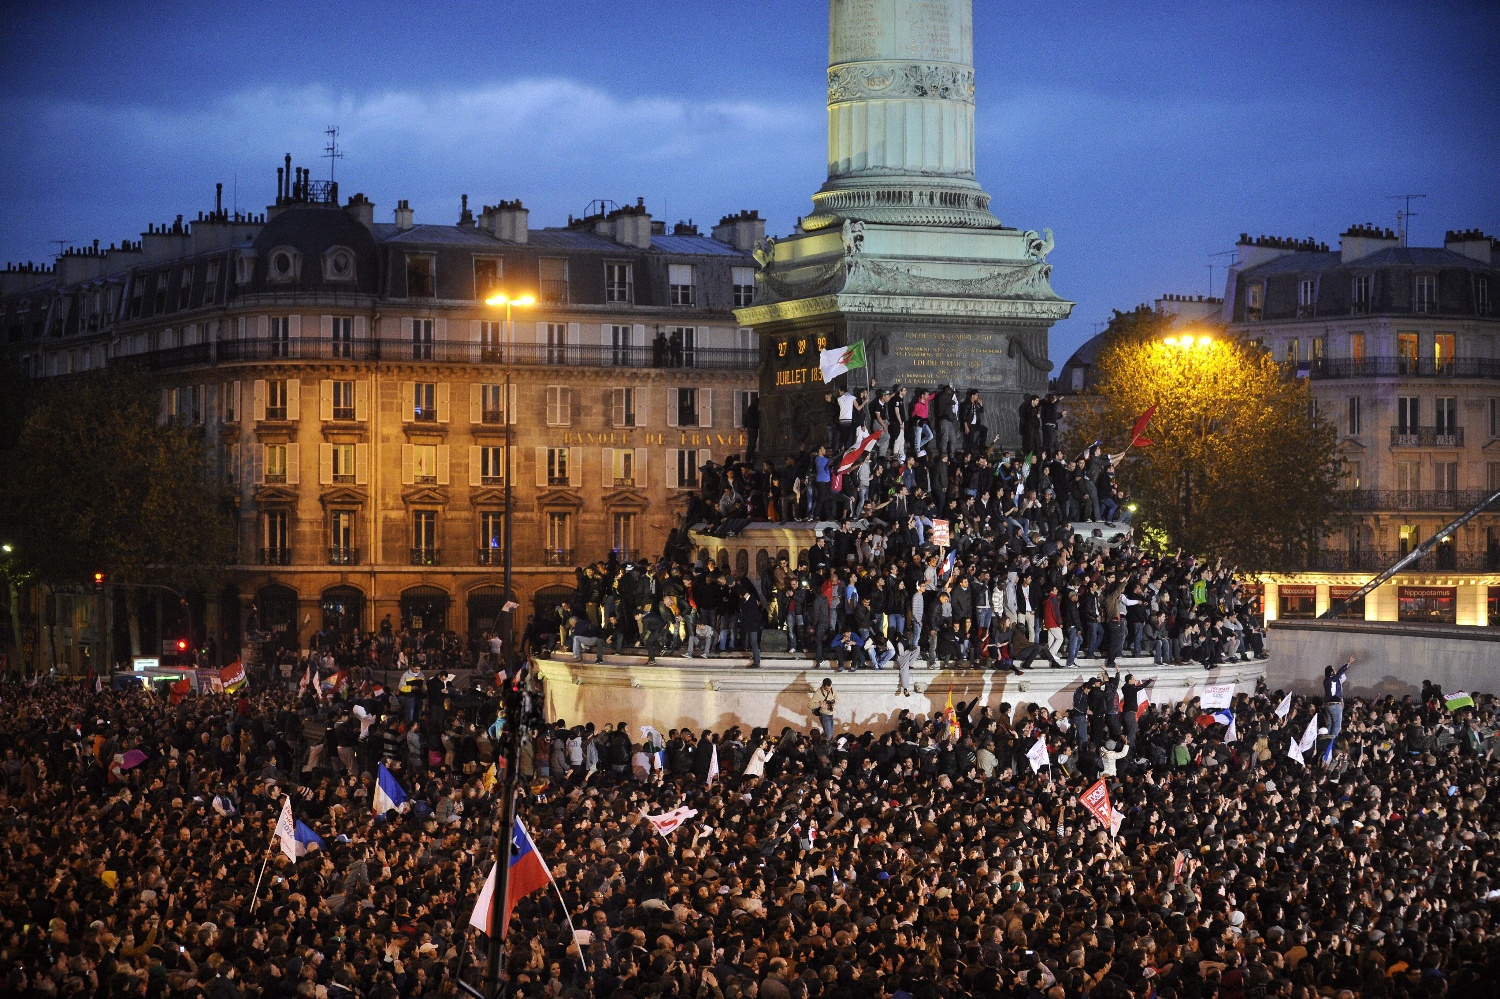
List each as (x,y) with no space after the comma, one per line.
(523,301)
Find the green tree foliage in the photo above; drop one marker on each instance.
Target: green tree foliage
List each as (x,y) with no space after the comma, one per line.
(1241,464)
(94,482)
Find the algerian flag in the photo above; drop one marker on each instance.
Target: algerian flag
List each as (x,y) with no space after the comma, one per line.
(841,359)
(1459,700)
(1285,707)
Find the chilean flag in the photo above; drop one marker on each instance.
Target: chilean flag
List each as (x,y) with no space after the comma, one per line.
(528,873)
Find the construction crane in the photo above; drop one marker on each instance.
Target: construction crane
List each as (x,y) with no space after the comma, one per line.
(1438,538)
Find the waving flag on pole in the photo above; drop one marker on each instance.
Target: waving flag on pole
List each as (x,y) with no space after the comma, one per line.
(1038,756)
(528,873)
(856,454)
(713,765)
(286,830)
(389,795)
(841,359)
(1285,707)
(1308,740)
(1136,440)
(667,822)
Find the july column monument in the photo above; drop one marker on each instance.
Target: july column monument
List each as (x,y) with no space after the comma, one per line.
(902,250)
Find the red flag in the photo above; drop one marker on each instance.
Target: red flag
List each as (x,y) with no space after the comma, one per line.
(856,454)
(1141,709)
(1096,800)
(1140,427)
(528,873)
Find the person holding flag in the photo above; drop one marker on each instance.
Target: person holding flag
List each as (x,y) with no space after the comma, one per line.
(389,795)
(528,872)
(1333,698)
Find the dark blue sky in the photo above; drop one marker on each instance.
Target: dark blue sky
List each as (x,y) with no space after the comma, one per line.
(1147,136)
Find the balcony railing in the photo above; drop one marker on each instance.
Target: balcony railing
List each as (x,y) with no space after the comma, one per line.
(275,556)
(426,556)
(1400,367)
(557,556)
(489,556)
(1443,559)
(1427,437)
(553,291)
(343,556)
(623,555)
(454,352)
(1449,500)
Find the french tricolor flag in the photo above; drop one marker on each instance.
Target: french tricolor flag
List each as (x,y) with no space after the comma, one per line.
(528,873)
(389,795)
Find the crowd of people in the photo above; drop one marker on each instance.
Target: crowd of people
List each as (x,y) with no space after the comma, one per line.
(935,860)
(1030,573)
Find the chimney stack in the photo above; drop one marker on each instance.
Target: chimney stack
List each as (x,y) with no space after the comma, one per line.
(508,221)
(363,210)
(631,225)
(741,231)
(403,215)
(465,217)
(219,199)
(1471,243)
(1360,241)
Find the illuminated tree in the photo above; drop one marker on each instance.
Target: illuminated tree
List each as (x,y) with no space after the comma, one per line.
(1241,464)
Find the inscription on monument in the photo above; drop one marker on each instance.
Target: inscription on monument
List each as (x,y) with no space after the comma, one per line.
(874,30)
(931,358)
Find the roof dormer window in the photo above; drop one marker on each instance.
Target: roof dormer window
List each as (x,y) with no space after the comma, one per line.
(283,265)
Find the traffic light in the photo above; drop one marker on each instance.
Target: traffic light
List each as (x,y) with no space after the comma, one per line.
(98,582)
(182,645)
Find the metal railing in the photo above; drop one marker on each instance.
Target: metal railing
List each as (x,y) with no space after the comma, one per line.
(274,556)
(557,556)
(623,555)
(1443,559)
(1427,437)
(450,352)
(343,556)
(489,556)
(1455,500)
(1400,367)
(426,556)
(553,291)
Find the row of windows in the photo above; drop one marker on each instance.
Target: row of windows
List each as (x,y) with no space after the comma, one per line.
(431,464)
(553,284)
(347,400)
(1444,476)
(275,537)
(1442,348)
(1411,412)
(1424,295)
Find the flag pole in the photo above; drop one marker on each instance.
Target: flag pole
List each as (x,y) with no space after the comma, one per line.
(255,901)
(569,917)
(510,699)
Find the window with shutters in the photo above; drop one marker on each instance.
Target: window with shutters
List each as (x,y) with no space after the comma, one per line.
(619,283)
(559,406)
(424,402)
(686,406)
(682,346)
(492,404)
(557,466)
(1445,476)
(343,400)
(275,463)
(486,277)
(281,336)
(420,268)
(687,468)
(680,284)
(623,400)
(491,529)
(559,537)
(274,536)
(424,535)
(552,279)
(229,393)
(276,396)
(491,341)
(341,332)
(343,463)
(743,398)
(622,534)
(341,549)
(623,470)
(421,339)
(620,343)
(557,343)
(1409,476)
(491,465)
(742,285)
(424,464)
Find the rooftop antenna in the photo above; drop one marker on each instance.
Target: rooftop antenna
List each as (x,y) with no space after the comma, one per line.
(1212,257)
(62,245)
(331,151)
(1404,216)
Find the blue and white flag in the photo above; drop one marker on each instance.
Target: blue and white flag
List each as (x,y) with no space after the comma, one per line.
(306,839)
(949,562)
(389,795)
(1225,717)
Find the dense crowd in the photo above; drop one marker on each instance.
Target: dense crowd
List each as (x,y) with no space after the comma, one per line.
(930,861)
(1041,563)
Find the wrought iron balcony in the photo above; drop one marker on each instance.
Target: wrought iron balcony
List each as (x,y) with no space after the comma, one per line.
(553,291)
(1444,558)
(489,556)
(449,352)
(557,556)
(1427,437)
(426,556)
(1401,367)
(275,556)
(1452,500)
(343,556)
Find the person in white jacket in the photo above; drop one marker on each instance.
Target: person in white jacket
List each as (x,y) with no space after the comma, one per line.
(1110,755)
(759,758)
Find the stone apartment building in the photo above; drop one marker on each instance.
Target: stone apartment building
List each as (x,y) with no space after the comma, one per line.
(366,401)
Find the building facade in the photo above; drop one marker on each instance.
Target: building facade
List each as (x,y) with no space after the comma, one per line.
(366,401)
(1402,347)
